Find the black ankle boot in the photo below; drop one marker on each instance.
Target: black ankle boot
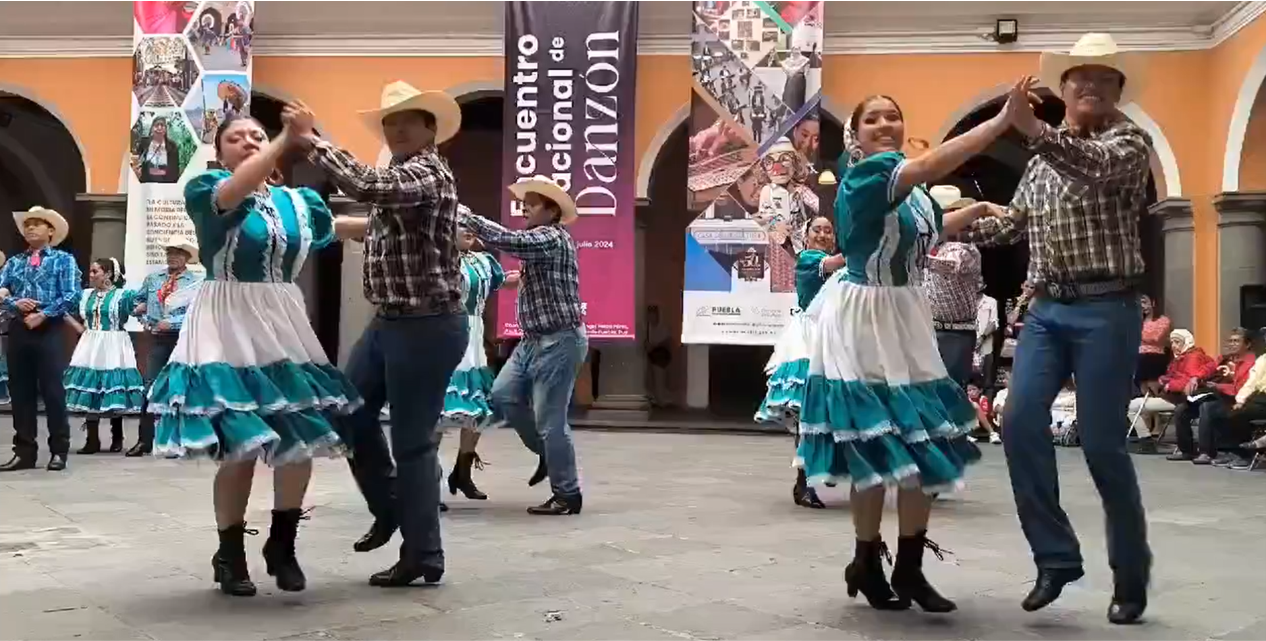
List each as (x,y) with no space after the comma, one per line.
(865,574)
(116,435)
(92,443)
(805,496)
(460,478)
(229,562)
(279,551)
(907,574)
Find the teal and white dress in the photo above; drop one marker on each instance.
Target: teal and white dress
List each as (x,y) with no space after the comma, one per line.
(6,317)
(248,377)
(788,367)
(879,408)
(102,377)
(466,402)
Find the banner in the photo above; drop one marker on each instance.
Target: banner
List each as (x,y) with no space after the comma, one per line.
(571,72)
(757,69)
(191,66)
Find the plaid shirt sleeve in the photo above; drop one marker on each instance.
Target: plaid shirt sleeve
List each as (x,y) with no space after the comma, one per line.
(539,242)
(410,186)
(1120,151)
(67,292)
(995,231)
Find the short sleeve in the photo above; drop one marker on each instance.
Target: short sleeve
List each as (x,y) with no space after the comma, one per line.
(498,275)
(869,188)
(200,200)
(320,218)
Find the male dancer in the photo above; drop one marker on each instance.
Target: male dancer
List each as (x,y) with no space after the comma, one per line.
(954,285)
(412,276)
(1079,203)
(533,390)
(165,297)
(41,285)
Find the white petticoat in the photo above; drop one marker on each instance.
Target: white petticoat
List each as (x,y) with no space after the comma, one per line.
(104,350)
(793,343)
(245,324)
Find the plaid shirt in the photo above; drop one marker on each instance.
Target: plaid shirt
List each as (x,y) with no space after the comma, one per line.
(411,257)
(1079,202)
(953,282)
(549,296)
(54,284)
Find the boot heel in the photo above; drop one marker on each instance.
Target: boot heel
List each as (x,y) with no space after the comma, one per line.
(228,564)
(279,551)
(865,574)
(908,580)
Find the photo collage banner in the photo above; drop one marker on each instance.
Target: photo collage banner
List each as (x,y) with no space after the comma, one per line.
(191,69)
(753,126)
(571,80)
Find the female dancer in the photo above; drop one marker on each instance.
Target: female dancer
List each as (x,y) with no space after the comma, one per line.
(788,368)
(248,378)
(5,317)
(102,379)
(879,408)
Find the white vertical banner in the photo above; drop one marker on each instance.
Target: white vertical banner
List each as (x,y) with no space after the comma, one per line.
(191,69)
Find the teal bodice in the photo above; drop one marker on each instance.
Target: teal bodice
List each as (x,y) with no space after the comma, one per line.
(885,236)
(107,310)
(483,276)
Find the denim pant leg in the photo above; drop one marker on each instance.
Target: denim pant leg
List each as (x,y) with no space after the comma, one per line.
(956,351)
(553,379)
(1042,365)
(370,462)
(511,395)
(161,347)
(420,353)
(1106,332)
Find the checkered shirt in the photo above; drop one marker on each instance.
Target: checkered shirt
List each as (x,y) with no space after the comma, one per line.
(549,290)
(411,256)
(1079,202)
(953,282)
(54,284)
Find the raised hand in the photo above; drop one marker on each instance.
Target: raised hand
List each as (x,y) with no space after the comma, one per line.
(298,118)
(1018,110)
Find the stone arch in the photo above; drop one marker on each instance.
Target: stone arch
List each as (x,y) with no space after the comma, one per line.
(1237,130)
(1164,161)
(45,184)
(50,107)
(649,157)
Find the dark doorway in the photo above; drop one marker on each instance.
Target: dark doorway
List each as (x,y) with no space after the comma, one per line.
(322,275)
(994,176)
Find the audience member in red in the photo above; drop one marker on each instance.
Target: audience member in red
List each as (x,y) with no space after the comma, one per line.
(1190,366)
(1153,355)
(983,411)
(1215,396)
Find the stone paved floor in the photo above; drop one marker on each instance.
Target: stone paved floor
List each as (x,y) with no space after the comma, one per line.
(683,537)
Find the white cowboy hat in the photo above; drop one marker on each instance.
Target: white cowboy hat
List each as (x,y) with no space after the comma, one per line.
(402,96)
(950,197)
(184,244)
(544,186)
(1093,49)
(61,228)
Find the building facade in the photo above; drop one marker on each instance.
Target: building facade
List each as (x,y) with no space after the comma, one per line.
(64,108)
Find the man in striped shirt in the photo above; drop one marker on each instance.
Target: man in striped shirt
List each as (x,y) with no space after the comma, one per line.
(533,390)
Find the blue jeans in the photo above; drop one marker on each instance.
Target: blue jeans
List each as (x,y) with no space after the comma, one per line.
(406,361)
(533,392)
(1096,341)
(957,349)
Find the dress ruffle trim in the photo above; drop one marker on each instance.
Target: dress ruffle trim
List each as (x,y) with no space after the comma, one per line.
(276,412)
(912,435)
(466,400)
(785,394)
(104,391)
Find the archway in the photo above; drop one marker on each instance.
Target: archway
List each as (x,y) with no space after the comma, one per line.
(1251,167)
(40,164)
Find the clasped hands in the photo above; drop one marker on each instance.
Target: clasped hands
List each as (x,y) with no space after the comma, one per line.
(297,122)
(30,317)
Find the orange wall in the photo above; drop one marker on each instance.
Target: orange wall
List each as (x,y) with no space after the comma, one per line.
(1253,161)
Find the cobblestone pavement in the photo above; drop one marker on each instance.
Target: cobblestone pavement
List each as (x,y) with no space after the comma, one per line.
(683,537)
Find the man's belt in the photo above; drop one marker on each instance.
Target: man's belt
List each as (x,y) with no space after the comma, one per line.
(1067,292)
(955,326)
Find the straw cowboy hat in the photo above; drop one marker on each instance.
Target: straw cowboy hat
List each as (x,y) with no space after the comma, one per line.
(401,96)
(61,228)
(543,186)
(184,244)
(950,197)
(1093,49)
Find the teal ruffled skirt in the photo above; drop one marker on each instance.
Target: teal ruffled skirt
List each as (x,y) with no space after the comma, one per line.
(879,408)
(466,401)
(102,377)
(214,400)
(4,380)
(788,370)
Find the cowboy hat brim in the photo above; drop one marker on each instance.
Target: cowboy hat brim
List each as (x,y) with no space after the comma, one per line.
(959,204)
(448,114)
(549,189)
(1053,66)
(61,228)
(184,246)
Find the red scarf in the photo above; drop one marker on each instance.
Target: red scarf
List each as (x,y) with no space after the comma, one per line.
(168,287)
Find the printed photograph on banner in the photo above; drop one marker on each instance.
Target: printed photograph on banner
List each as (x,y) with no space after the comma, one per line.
(744,27)
(720,152)
(221,35)
(733,89)
(162,146)
(162,71)
(792,70)
(163,18)
(220,95)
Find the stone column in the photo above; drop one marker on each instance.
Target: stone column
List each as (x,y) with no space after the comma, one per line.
(623,367)
(108,213)
(354,311)
(1241,250)
(1179,232)
(697,377)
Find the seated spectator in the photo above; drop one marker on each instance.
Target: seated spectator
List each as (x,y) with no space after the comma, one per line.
(983,411)
(1153,349)
(1064,409)
(1000,400)
(1190,366)
(1220,389)
(1221,430)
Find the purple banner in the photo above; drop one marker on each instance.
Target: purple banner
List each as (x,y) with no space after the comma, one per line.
(571,71)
